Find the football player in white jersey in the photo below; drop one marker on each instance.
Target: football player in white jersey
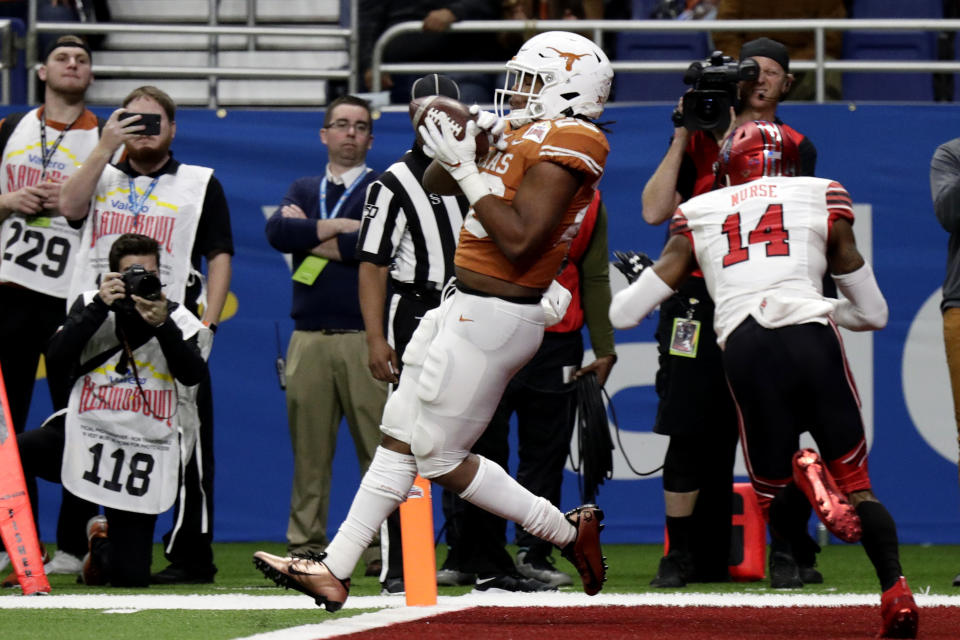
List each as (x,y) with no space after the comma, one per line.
(764,243)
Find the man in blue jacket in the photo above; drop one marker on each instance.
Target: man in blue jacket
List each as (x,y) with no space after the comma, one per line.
(326,368)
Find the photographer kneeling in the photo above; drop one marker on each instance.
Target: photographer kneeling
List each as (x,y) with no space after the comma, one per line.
(132,361)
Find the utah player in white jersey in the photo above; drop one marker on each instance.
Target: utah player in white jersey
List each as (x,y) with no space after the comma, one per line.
(764,244)
(526,202)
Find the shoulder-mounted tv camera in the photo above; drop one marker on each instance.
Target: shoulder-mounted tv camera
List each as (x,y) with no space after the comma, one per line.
(715,89)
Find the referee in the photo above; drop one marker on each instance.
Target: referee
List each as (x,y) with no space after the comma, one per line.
(406,245)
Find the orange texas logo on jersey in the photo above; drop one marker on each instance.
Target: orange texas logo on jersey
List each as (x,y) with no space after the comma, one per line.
(569,57)
(753,191)
(109,222)
(159,404)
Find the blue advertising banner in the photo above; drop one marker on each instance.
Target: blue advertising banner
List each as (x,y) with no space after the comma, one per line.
(880,153)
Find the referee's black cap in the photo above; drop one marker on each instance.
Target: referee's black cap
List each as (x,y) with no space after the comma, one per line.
(435,84)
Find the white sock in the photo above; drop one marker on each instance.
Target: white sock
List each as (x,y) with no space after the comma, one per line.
(494,490)
(384,486)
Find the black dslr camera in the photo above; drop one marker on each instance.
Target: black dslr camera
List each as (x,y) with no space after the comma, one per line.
(137,281)
(715,90)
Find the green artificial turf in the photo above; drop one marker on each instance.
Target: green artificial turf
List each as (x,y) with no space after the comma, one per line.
(845,568)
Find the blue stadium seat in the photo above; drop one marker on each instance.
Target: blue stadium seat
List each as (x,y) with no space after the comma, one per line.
(657,46)
(641,9)
(897,9)
(899,87)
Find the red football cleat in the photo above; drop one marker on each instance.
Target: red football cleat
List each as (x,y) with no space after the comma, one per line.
(306,574)
(584,552)
(810,474)
(899,612)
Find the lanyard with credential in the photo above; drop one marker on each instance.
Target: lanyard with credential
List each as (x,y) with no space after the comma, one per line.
(343,198)
(46,154)
(135,203)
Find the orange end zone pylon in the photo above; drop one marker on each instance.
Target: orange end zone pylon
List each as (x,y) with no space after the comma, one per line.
(419,557)
(16,517)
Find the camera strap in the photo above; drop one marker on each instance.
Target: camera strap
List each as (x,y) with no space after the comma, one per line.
(128,353)
(47,155)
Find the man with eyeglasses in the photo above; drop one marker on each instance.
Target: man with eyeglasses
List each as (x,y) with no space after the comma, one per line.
(327,376)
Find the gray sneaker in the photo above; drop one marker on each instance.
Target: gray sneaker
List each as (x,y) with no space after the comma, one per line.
(454,578)
(63,563)
(392,587)
(542,569)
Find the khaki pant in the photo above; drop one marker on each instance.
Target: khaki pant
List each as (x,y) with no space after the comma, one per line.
(951,340)
(327,378)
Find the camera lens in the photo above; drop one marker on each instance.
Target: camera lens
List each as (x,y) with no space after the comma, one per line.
(708,108)
(138,281)
(149,287)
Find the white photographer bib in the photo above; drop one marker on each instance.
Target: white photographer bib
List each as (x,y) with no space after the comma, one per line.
(38,252)
(126,444)
(167,210)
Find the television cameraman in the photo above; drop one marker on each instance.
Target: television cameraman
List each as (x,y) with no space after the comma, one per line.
(698,467)
(132,362)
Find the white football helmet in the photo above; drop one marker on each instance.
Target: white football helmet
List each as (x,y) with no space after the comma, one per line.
(560,74)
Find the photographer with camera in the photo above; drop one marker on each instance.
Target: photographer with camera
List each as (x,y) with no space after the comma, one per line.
(703,426)
(184,208)
(132,361)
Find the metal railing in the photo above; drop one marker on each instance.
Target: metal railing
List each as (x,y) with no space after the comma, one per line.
(7,59)
(820,64)
(213,71)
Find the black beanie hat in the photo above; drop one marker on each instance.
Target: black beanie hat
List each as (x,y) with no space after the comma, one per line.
(767,48)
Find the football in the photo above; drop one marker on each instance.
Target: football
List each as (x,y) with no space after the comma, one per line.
(439,108)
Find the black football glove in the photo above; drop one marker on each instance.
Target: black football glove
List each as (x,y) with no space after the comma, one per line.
(631,263)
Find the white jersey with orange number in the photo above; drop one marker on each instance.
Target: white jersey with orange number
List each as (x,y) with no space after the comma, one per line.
(762,247)
(569,142)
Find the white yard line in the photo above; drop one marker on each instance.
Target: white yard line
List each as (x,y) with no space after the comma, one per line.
(242,601)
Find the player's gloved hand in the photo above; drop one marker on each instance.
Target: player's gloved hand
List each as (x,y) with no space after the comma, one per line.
(494,126)
(631,263)
(456,156)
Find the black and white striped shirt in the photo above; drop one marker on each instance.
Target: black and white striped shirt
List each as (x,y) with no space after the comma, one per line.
(413,231)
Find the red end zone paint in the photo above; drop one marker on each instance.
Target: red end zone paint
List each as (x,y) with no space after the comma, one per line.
(662,623)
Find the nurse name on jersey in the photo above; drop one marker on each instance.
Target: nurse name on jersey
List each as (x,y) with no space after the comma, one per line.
(753,191)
